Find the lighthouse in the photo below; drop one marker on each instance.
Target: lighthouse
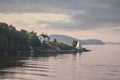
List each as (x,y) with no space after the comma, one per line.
(78,46)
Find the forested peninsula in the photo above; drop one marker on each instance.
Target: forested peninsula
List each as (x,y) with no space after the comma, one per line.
(13,42)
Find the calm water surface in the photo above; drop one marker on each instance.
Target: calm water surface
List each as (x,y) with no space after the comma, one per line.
(102,63)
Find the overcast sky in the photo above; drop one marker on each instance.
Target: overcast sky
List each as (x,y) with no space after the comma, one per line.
(81,19)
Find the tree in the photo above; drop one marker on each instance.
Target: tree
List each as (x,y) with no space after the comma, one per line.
(74,43)
(33,39)
(12,40)
(3,37)
(55,41)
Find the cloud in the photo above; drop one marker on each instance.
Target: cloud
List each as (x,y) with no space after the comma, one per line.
(96,14)
(83,14)
(24,6)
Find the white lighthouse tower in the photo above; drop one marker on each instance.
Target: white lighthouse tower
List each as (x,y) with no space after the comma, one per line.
(78,46)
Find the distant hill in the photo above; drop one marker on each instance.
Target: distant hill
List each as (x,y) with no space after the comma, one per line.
(94,42)
(68,40)
(112,42)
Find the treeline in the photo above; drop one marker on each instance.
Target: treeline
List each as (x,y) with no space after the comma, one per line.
(12,40)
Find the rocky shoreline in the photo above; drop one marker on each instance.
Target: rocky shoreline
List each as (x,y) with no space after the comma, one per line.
(28,53)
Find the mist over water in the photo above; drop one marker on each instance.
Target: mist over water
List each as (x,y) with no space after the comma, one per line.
(102,63)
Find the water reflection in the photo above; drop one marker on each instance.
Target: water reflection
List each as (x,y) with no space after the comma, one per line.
(8,62)
(99,64)
(77,56)
(40,66)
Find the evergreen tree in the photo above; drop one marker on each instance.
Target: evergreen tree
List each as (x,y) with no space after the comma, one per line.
(33,39)
(55,41)
(12,40)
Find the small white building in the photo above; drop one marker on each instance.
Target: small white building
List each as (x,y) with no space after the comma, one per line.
(44,38)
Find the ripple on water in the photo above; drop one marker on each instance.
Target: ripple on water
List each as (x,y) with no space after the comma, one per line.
(29,70)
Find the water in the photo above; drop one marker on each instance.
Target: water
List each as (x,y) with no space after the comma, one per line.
(102,63)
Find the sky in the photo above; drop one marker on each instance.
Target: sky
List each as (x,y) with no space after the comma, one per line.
(82,19)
